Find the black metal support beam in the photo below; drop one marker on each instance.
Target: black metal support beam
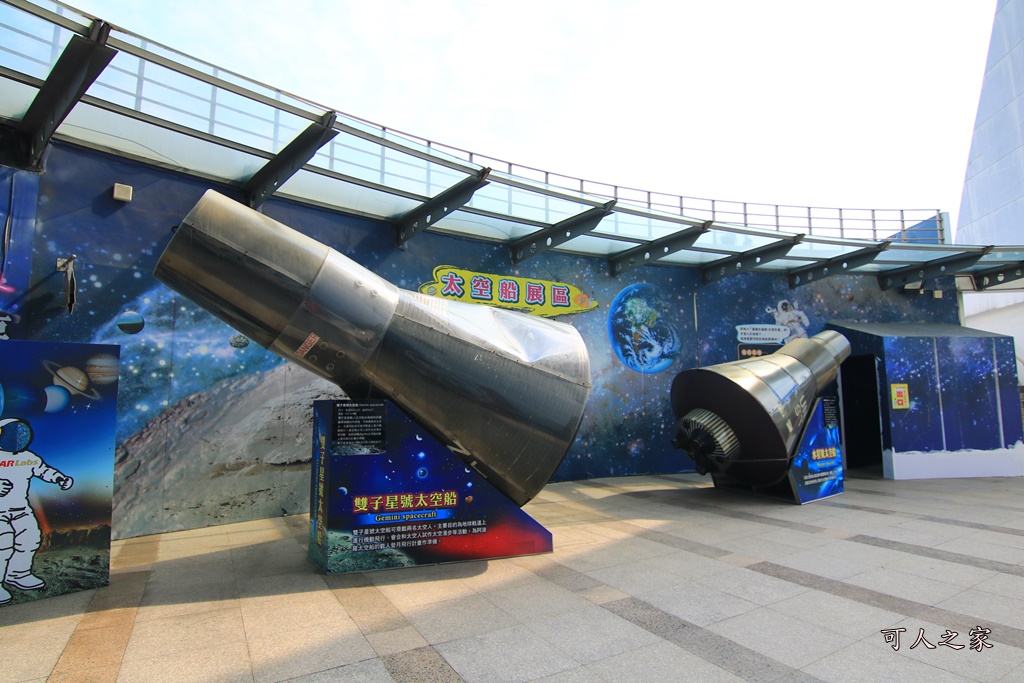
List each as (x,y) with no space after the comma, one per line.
(559,233)
(436,208)
(657,249)
(286,163)
(836,266)
(948,265)
(993,277)
(748,260)
(77,68)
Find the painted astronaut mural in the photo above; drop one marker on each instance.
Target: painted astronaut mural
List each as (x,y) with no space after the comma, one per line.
(19,530)
(788,315)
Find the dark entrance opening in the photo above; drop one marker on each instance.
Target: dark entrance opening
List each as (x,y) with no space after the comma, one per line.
(862,421)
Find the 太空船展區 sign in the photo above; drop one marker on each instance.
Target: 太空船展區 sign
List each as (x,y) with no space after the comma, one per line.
(542,298)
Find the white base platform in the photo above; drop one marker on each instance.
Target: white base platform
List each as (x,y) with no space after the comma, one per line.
(1001,462)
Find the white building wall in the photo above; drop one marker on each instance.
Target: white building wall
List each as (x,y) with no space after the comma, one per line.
(992,204)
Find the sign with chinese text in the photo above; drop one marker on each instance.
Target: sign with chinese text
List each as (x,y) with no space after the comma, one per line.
(817,469)
(900,396)
(538,297)
(384,493)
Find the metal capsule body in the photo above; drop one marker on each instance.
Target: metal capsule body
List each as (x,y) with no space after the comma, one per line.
(761,406)
(505,390)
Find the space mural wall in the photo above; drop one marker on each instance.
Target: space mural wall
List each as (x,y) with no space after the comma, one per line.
(214,429)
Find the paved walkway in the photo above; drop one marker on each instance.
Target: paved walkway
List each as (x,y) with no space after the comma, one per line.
(659,578)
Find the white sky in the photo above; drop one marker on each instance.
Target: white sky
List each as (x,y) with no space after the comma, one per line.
(858,104)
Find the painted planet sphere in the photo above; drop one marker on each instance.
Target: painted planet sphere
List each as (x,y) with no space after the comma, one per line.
(642,330)
(72,379)
(102,369)
(57,398)
(130,322)
(239,341)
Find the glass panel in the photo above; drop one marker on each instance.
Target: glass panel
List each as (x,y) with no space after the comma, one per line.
(785,264)
(405,172)
(917,254)
(1004,255)
(441,178)
(499,198)
(15,98)
(326,191)
(107,130)
(817,250)
(28,44)
(471,224)
(592,245)
(136,43)
(732,242)
(690,258)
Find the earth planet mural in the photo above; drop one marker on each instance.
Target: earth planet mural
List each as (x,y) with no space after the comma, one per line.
(641,329)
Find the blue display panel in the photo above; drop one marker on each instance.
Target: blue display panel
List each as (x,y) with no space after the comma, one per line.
(58,414)
(386,494)
(817,470)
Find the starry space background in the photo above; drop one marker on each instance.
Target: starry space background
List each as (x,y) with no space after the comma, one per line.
(962,387)
(183,352)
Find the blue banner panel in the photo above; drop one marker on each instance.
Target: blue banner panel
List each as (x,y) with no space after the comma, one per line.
(817,469)
(1009,391)
(911,396)
(384,493)
(970,405)
(58,418)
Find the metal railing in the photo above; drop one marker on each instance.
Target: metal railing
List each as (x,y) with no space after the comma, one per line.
(244,112)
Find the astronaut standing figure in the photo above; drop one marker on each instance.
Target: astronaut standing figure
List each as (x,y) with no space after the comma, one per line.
(19,530)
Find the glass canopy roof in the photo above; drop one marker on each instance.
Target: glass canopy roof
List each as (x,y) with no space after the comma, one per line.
(127,95)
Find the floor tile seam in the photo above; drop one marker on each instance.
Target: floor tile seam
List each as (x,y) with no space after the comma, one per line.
(1010,531)
(1006,635)
(721,511)
(670,540)
(361,616)
(939,554)
(716,510)
(910,495)
(872,641)
(768,661)
(730,656)
(577,506)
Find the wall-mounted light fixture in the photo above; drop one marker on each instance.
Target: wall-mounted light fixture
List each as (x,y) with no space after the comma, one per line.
(122,193)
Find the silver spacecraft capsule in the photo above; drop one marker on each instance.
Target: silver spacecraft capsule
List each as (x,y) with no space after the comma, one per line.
(503,390)
(744,419)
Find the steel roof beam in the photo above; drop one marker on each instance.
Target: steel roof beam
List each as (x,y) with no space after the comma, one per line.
(286,163)
(559,233)
(837,265)
(748,260)
(993,277)
(436,208)
(657,249)
(77,68)
(948,265)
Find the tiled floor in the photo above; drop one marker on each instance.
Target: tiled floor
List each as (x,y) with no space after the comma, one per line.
(652,579)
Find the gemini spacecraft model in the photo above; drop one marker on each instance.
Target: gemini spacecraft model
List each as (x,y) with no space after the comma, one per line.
(744,419)
(504,390)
